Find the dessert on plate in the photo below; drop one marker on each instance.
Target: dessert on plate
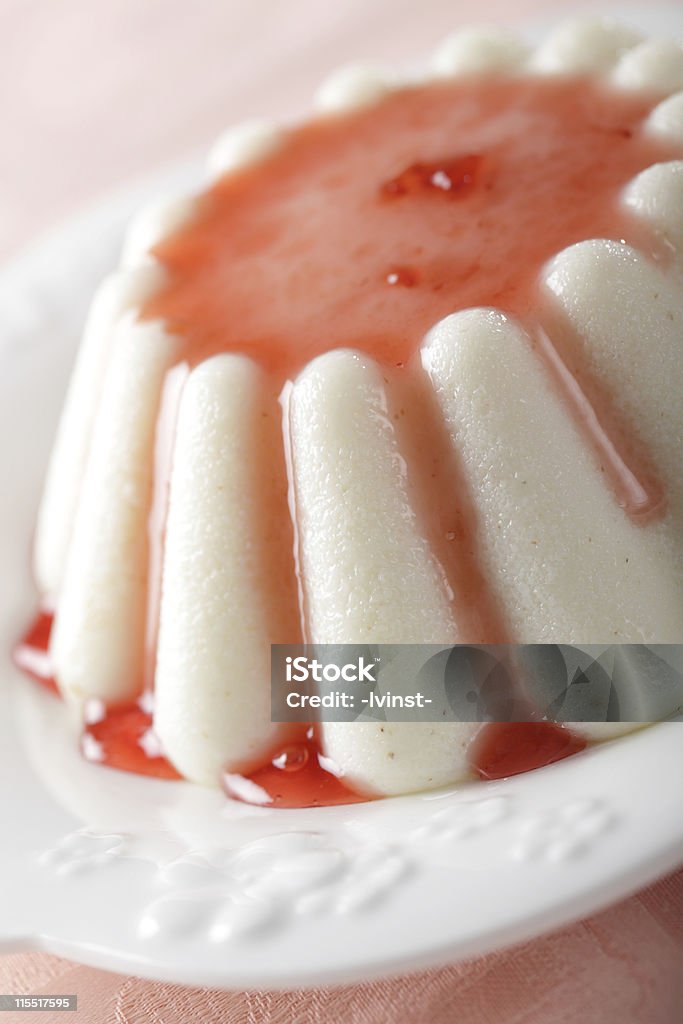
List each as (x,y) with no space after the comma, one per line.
(408,372)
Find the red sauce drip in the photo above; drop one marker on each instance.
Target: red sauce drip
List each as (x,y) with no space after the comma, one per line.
(32,655)
(623,458)
(298,776)
(117,740)
(113,737)
(451,178)
(439,494)
(502,749)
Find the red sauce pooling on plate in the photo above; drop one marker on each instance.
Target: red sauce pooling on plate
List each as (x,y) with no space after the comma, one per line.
(119,737)
(32,655)
(299,775)
(502,749)
(122,738)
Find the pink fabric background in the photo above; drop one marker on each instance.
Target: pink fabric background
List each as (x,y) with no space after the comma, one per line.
(94,91)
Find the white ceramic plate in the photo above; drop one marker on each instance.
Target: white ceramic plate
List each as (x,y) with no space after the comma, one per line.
(175,882)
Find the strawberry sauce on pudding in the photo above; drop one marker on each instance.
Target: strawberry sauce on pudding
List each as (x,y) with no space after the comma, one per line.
(407,373)
(468,187)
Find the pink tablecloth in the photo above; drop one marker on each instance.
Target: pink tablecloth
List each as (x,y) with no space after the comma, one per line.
(93,93)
